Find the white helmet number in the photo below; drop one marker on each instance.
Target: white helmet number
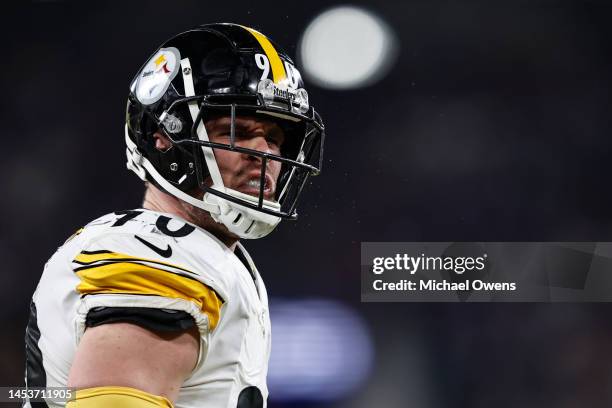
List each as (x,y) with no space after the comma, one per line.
(263,64)
(293,76)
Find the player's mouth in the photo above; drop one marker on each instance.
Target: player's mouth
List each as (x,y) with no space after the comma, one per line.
(253,184)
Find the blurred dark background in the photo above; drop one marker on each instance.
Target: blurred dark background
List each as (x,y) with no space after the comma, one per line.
(493,125)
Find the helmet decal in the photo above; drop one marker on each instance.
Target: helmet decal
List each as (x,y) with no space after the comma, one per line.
(155,77)
(296,98)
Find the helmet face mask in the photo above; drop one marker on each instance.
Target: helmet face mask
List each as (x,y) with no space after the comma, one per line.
(229,81)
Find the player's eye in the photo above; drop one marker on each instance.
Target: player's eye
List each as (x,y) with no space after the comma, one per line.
(274,140)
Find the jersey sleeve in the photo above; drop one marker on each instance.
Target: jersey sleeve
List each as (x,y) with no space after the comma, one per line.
(162,320)
(151,283)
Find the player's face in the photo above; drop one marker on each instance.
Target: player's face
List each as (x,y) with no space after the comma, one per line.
(241,171)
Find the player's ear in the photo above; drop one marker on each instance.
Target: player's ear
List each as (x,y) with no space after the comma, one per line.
(162,143)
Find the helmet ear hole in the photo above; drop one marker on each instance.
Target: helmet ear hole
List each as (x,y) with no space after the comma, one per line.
(162,142)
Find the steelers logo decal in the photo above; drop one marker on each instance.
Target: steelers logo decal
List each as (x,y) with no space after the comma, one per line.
(157,74)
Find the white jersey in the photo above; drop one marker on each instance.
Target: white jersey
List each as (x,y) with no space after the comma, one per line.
(132,262)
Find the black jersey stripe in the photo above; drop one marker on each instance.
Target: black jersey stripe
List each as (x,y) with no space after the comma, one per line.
(102,251)
(155,319)
(135,262)
(35,372)
(114,256)
(140,261)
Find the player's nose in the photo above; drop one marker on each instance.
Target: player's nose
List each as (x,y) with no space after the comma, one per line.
(258,142)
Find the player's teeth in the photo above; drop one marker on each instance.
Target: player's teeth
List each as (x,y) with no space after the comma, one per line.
(253,183)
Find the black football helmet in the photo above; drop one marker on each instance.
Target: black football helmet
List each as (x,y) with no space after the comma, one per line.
(231,70)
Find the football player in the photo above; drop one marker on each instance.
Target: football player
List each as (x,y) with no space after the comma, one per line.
(162,306)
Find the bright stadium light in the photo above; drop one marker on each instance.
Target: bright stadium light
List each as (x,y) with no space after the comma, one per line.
(346,47)
(321,351)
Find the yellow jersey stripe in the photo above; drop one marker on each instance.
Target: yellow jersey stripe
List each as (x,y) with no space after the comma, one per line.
(99,397)
(278,69)
(137,279)
(88,258)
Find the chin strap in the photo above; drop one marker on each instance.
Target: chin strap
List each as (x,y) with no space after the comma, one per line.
(243,221)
